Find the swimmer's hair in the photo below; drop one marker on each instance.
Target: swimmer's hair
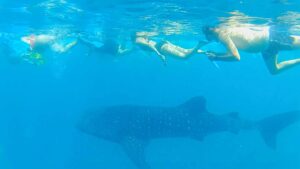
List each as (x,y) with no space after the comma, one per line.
(133,36)
(208,31)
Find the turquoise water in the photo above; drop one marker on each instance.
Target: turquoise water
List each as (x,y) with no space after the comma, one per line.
(42,101)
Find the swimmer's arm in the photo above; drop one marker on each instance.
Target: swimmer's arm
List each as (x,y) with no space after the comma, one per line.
(232,52)
(56,47)
(154,49)
(123,51)
(162,57)
(151,46)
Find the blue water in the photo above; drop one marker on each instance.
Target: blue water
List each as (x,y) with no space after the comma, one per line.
(41,104)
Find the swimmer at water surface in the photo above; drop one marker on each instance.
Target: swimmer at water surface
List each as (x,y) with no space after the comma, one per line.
(268,40)
(165,48)
(109,46)
(162,48)
(38,44)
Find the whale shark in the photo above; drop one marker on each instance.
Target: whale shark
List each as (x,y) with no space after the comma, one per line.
(133,126)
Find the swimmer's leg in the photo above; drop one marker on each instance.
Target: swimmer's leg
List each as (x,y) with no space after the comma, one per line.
(70,45)
(62,49)
(178,51)
(271,61)
(295,42)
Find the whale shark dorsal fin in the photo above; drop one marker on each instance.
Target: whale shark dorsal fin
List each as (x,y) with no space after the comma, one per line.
(195,104)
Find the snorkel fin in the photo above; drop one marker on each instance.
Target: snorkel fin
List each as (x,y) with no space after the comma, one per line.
(34,58)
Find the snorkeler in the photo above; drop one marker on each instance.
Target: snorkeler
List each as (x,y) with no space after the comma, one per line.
(109,46)
(38,44)
(268,40)
(164,48)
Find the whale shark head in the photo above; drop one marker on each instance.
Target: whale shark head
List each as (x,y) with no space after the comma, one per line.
(100,125)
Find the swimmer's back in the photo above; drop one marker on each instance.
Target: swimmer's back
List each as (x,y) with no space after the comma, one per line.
(250,39)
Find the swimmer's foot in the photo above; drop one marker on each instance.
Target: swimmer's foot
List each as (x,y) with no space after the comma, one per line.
(62,49)
(72,44)
(201,44)
(200,51)
(34,58)
(196,49)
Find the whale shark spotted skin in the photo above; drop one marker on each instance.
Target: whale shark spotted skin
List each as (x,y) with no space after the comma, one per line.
(134,126)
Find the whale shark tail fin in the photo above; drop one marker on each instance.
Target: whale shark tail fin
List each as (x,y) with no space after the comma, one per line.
(270,127)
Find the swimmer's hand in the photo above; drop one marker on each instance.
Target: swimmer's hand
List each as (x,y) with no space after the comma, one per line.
(211,55)
(163,58)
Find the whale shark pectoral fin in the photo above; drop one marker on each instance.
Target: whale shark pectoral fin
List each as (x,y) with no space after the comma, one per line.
(195,105)
(135,149)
